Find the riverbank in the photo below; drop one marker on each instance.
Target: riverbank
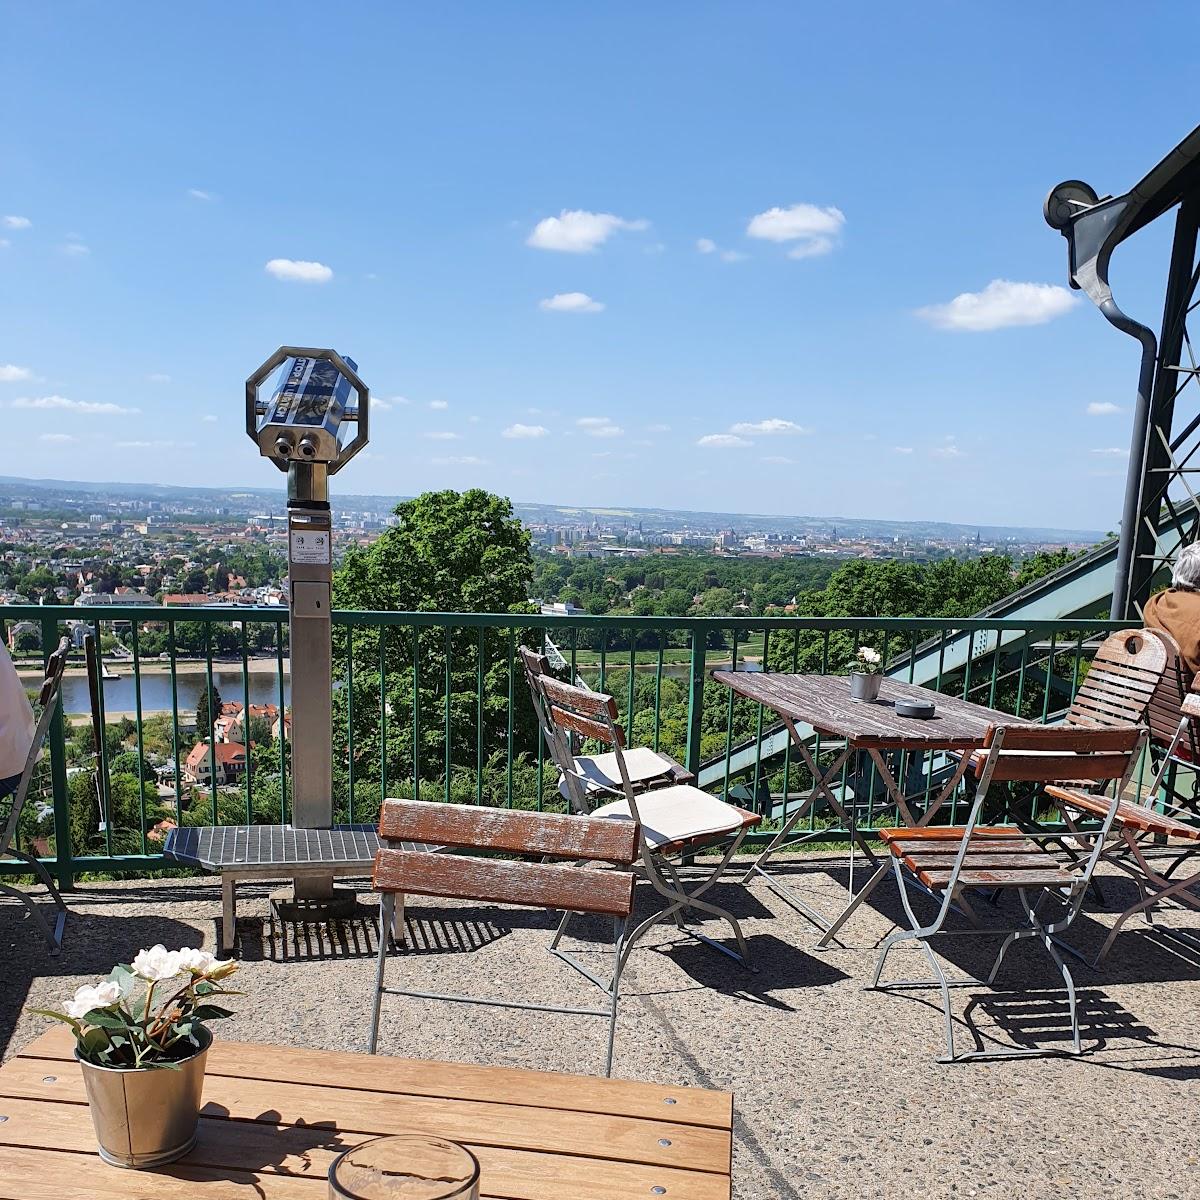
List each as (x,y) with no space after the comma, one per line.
(261,665)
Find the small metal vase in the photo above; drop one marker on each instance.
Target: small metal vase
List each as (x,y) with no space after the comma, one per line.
(146,1116)
(863,686)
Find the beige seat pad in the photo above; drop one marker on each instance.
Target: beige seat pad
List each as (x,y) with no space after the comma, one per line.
(677,814)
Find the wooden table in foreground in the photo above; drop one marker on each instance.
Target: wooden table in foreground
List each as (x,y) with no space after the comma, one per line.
(275,1117)
(823,703)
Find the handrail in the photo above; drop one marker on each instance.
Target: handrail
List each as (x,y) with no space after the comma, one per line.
(456,726)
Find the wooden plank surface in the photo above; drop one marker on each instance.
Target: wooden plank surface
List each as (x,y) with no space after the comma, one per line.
(823,701)
(498,881)
(516,831)
(275,1137)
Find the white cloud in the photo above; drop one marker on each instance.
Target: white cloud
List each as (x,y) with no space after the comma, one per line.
(1102,408)
(573,302)
(658,429)
(525,431)
(601,427)
(209,417)
(91,407)
(12,222)
(902,449)
(1111,451)
(442,435)
(159,377)
(74,247)
(459,460)
(383,403)
(4,243)
(439,405)
(815,230)
(56,437)
(1000,305)
(722,441)
(297,270)
(576,231)
(708,246)
(813,248)
(199,194)
(772,425)
(10,373)
(780,459)
(947,451)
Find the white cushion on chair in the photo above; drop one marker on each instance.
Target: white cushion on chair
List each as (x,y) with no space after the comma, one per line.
(676,814)
(600,770)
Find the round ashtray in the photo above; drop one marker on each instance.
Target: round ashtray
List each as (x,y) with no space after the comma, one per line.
(922,709)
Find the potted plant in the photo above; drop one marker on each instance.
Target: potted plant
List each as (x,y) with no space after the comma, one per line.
(141,1041)
(866,674)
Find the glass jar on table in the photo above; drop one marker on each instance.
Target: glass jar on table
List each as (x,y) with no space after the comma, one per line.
(405,1167)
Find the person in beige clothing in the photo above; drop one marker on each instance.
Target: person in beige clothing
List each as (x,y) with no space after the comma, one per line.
(16,725)
(1177,610)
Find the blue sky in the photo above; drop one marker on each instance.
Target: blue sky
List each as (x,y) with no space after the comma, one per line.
(680,255)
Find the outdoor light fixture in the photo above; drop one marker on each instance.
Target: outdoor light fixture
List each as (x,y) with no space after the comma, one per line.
(1094,226)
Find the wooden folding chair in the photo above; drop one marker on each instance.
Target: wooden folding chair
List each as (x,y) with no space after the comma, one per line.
(1150,841)
(647,768)
(557,885)
(945,861)
(48,697)
(675,820)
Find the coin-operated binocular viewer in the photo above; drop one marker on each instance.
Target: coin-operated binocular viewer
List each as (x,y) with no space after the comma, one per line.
(314,422)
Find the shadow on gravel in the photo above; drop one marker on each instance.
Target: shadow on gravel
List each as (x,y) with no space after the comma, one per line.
(780,967)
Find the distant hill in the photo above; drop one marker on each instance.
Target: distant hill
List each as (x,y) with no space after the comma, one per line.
(652,520)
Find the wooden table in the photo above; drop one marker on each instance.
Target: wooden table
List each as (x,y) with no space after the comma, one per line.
(275,1117)
(823,702)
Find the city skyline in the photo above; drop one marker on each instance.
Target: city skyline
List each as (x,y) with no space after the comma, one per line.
(756,276)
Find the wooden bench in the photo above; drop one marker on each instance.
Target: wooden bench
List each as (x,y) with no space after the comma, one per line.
(573,885)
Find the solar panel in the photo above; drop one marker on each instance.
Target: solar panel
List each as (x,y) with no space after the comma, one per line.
(216,847)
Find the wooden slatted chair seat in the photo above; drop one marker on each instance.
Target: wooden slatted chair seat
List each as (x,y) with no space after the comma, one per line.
(991,861)
(1137,817)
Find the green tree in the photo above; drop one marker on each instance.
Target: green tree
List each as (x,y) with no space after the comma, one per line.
(205,716)
(449,552)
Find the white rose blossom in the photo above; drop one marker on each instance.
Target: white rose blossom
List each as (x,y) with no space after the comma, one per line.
(201,962)
(156,964)
(868,655)
(92,996)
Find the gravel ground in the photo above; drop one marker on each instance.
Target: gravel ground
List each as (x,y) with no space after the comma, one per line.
(837,1091)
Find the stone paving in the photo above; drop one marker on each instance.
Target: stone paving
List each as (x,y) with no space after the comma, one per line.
(837,1091)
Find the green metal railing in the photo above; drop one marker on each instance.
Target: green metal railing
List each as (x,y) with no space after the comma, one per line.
(434,705)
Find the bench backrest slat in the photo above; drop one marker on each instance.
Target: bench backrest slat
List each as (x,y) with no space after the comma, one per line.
(498,881)
(512,831)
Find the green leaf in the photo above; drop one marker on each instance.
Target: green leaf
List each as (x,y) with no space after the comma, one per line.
(57,1016)
(107,1019)
(210,1012)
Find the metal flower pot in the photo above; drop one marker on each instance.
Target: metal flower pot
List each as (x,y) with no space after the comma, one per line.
(863,686)
(146,1116)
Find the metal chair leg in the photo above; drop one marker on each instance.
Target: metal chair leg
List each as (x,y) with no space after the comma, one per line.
(619,929)
(387,907)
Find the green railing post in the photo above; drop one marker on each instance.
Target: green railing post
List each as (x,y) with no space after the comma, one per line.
(58,772)
(696,697)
